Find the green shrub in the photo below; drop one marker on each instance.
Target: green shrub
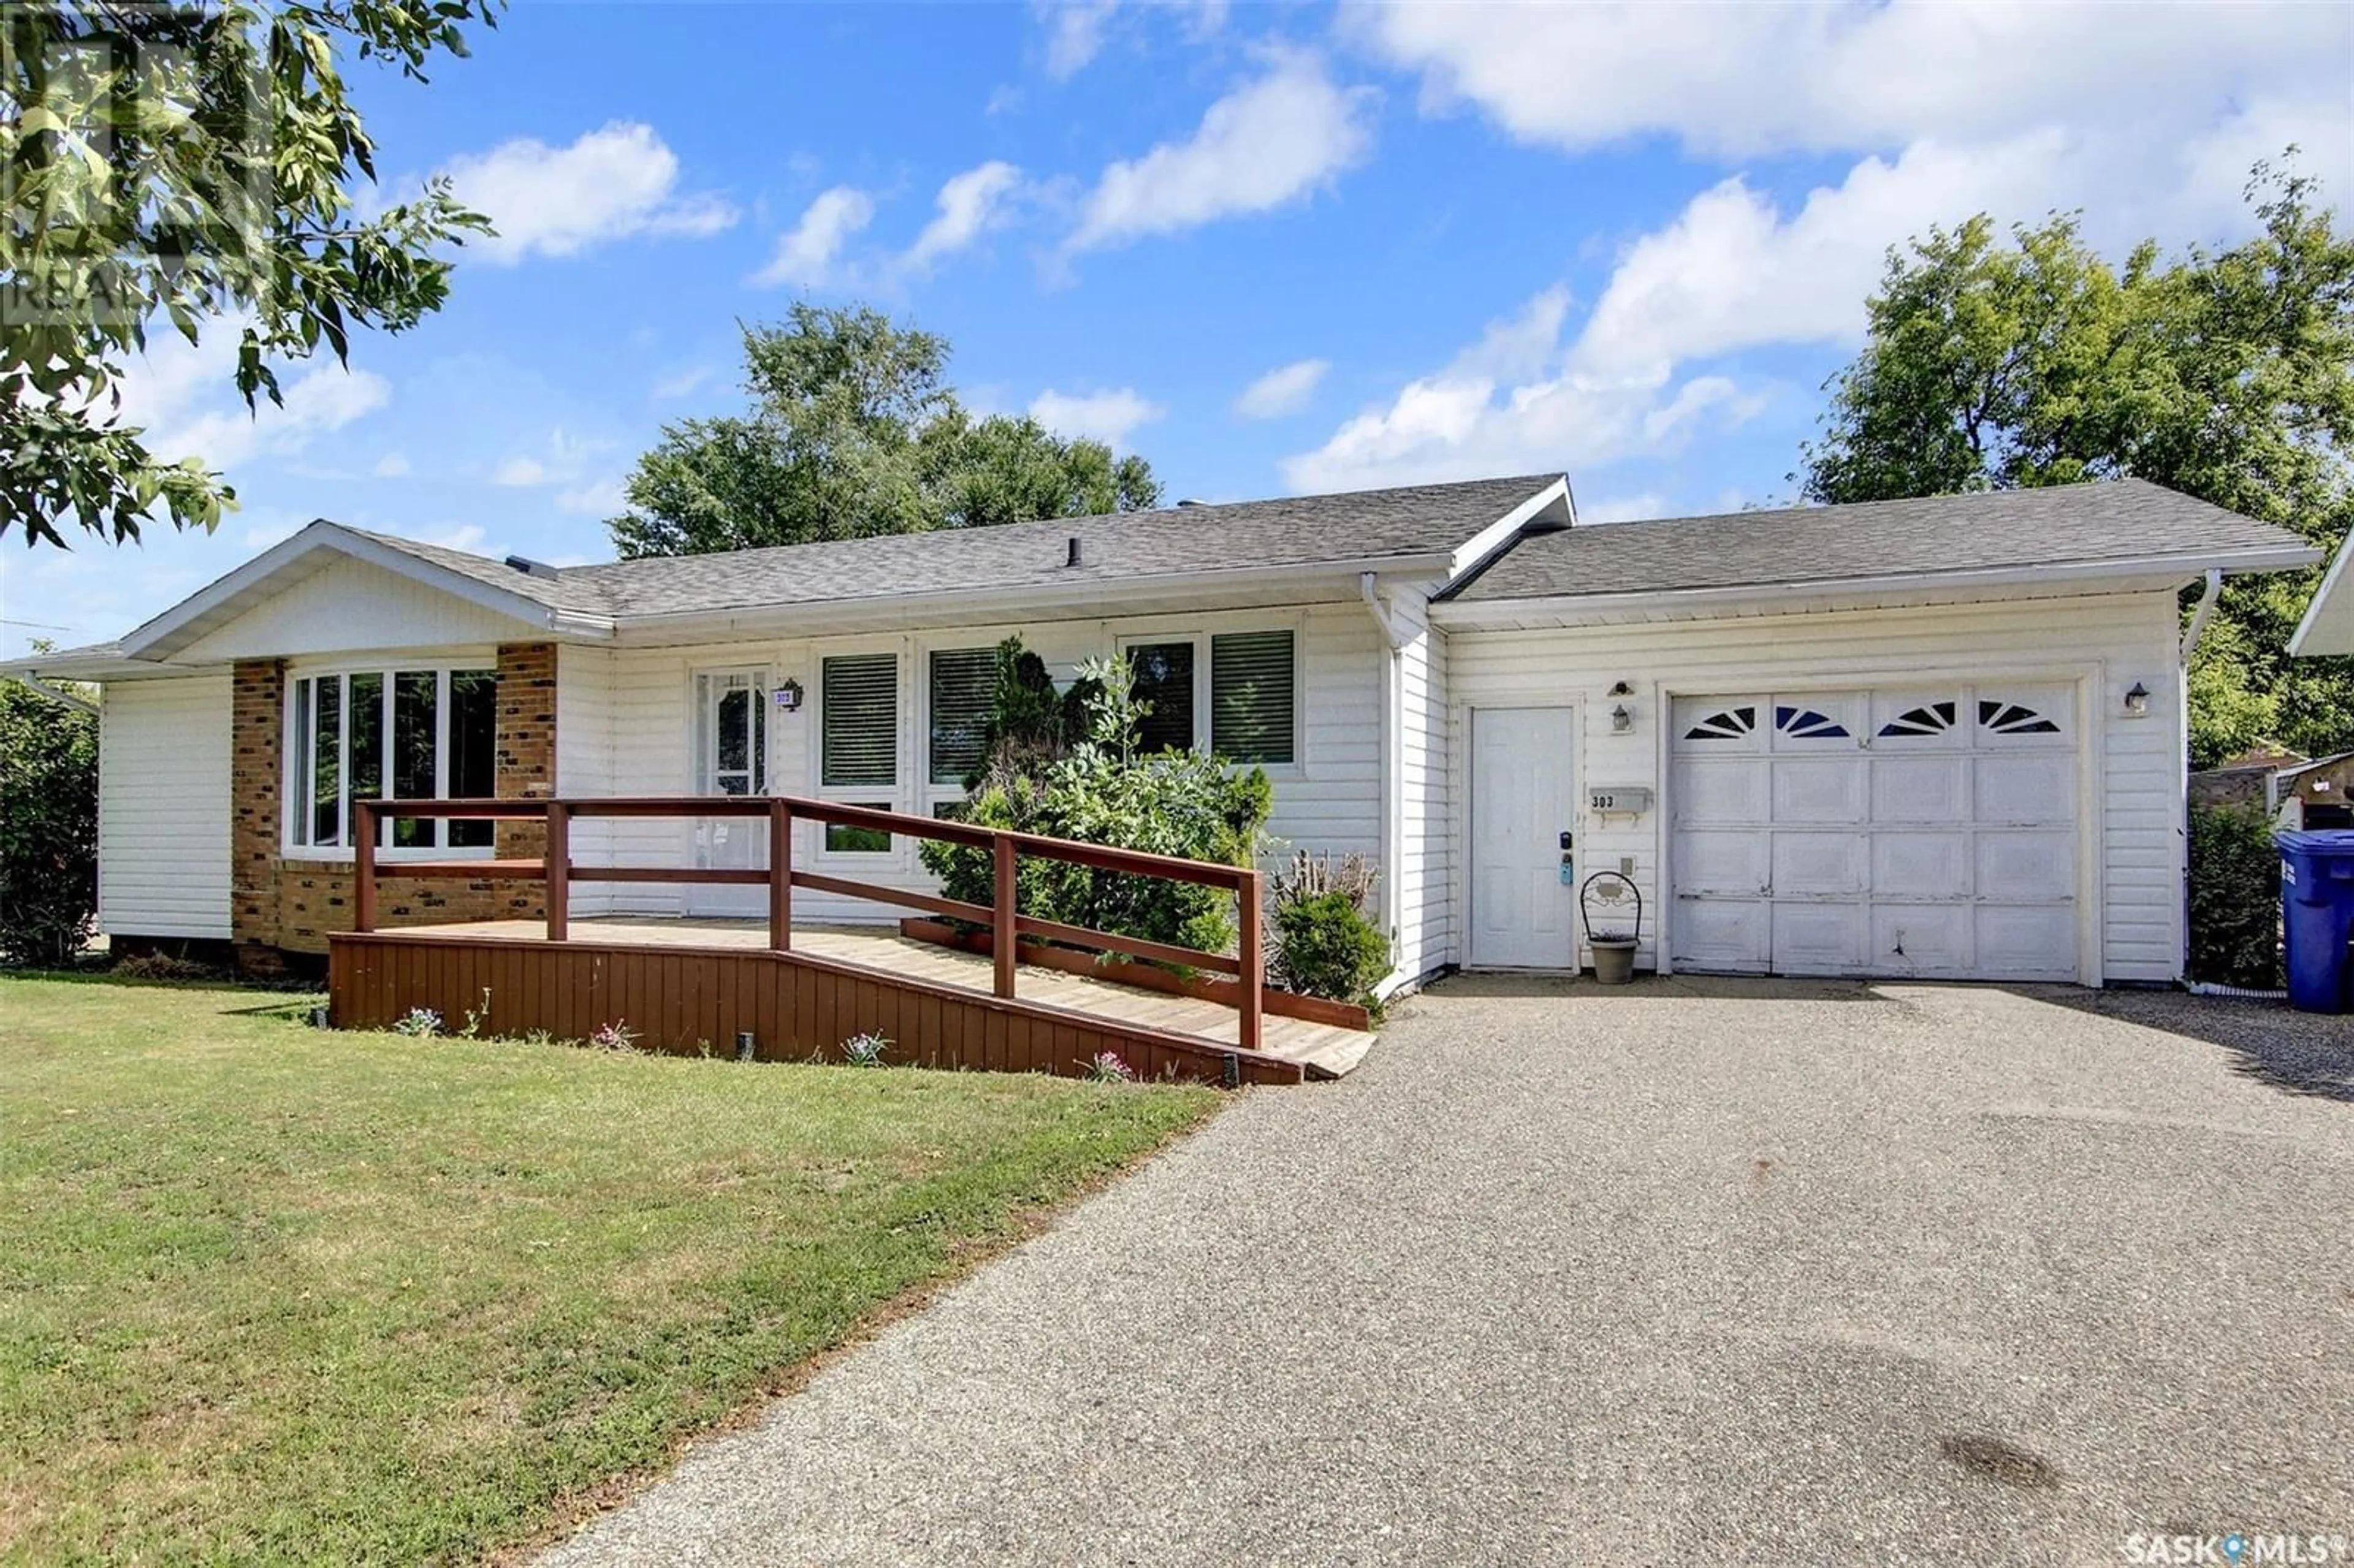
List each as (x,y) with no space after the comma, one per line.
(49,827)
(2234,898)
(1099,791)
(1324,946)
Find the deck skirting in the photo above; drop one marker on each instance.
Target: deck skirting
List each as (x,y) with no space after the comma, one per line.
(796,1006)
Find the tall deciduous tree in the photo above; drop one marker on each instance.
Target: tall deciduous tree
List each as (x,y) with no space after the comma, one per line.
(2226,375)
(853,431)
(188,168)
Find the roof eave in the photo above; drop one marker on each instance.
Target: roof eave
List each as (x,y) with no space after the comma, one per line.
(71,666)
(1338,575)
(2180,567)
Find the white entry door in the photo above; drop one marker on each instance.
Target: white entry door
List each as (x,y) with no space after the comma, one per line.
(1927,831)
(1523,801)
(731,757)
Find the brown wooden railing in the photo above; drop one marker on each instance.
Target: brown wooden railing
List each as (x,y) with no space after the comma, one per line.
(1004,923)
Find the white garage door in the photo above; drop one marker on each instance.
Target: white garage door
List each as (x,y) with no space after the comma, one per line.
(1924,832)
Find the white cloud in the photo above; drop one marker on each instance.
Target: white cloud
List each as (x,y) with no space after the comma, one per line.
(1283,391)
(183,395)
(680,383)
(1074,35)
(1823,75)
(1077,30)
(565,459)
(1736,271)
(970,205)
(392,465)
(557,201)
(1105,417)
(453,537)
(599,498)
(806,253)
(1733,271)
(1623,509)
(1271,141)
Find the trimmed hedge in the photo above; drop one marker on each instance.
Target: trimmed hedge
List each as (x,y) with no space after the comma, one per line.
(48,828)
(2234,898)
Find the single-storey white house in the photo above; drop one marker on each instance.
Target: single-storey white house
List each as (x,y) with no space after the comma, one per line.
(1922,739)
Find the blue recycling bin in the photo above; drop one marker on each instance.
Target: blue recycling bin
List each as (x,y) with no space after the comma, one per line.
(2317,915)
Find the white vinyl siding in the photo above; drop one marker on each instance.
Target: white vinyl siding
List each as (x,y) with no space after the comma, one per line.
(1329,799)
(585,751)
(2132,773)
(163,807)
(1425,885)
(348,605)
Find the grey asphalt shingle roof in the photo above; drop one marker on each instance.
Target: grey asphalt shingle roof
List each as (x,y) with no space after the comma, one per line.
(570,589)
(2061,525)
(1304,531)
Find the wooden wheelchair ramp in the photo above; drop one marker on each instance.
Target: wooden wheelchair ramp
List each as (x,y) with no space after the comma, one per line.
(772,989)
(695,986)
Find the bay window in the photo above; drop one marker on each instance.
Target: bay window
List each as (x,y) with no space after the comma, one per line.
(399,735)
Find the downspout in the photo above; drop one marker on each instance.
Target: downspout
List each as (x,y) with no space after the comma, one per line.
(2203,614)
(1395,635)
(1383,617)
(57,694)
(2197,629)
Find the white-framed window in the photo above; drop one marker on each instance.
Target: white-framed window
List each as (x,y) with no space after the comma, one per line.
(858,743)
(392,734)
(1233,692)
(960,694)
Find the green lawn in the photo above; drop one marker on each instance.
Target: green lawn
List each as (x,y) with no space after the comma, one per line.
(270,1293)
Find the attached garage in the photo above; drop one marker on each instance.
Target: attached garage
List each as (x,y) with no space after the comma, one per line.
(1936,740)
(1929,830)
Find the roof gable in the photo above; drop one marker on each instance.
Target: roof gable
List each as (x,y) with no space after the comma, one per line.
(207,615)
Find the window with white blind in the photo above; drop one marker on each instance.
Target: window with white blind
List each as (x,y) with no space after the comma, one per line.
(1233,692)
(962,689)
(859,742)
(1164,684)
(399,735)
(1253,697)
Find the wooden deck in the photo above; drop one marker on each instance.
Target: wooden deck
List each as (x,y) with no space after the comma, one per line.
(835,982)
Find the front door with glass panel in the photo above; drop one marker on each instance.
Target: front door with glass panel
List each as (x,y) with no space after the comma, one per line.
(731,757)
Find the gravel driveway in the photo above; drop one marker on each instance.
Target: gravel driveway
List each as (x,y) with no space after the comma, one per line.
(1692,1271)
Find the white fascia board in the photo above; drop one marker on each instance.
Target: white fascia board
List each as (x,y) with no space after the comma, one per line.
(1476,551)
(1334,580)
(161,636)
(2328,624)
(66,665)
(2177,568)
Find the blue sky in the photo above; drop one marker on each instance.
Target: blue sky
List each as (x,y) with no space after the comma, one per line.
(1438,241)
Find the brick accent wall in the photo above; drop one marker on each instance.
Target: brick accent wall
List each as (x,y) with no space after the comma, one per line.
(526,769)
(257,742)
(280,906)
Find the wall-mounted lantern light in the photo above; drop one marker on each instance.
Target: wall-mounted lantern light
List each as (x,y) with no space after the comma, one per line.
(2137,701)
(788,696)
(1622,719)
